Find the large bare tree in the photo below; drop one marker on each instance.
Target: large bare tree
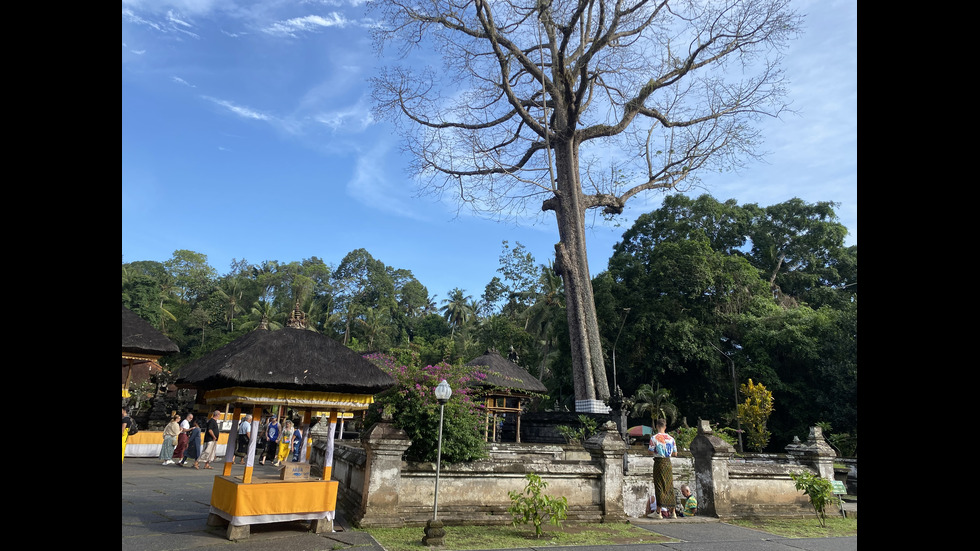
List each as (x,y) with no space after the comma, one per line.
(578,105)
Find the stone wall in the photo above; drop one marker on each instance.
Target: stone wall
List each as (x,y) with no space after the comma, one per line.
(378,488)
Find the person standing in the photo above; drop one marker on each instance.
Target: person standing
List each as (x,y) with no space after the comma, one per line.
(127,422)
(170,433)
(244,435)
(285,443)
(182,440)
(193,442)
(296,442)
(211,431)
(663,447)
(272,434)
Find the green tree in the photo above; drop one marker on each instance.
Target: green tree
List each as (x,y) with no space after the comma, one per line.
(539,87)
(363,282)
(191,273)
(521,275)
(456,309)
(797,246)
(703,307)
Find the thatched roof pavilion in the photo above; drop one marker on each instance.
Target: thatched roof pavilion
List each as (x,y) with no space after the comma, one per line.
(293,367)
(504,373)
(287,359)
(141,342)
(506,386)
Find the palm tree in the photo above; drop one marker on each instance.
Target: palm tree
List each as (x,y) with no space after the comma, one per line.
(545,313)
(264,312)
(654,402)
(230,294)
(456,309)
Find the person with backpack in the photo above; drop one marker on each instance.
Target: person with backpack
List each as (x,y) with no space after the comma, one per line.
(272,441)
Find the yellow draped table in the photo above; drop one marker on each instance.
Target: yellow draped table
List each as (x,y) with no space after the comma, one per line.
(240,505)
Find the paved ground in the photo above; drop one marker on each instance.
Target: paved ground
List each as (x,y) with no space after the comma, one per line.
(166,509)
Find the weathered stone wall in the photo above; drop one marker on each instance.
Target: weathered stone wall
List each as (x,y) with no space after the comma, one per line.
(377,488)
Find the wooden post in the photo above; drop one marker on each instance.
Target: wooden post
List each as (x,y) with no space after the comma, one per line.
(250,456)
(518,421)
(232,440)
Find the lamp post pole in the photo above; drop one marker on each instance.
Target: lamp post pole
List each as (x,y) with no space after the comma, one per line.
(626,312)
(738,421)
(433,528)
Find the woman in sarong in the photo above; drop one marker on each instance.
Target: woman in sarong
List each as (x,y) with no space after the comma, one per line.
(663,447)
(285,442)
(193,451)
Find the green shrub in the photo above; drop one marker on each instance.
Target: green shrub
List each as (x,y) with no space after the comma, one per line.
(587,428)
(819,490)
(754,413)
(683,437)
(533,506)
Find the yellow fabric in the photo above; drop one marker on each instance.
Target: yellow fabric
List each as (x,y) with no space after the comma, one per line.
(156,437)
(292,398)
(283,451)
(125,437)
(273,498)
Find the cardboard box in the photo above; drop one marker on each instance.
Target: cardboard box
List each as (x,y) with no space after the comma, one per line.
(295,471)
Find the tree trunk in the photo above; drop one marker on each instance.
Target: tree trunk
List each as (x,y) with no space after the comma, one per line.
(571,262)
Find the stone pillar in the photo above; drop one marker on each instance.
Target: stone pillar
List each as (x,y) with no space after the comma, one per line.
(816,452)
(384,445)
(711,457)
(607,449)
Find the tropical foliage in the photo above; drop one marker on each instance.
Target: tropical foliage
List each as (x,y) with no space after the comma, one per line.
(413,407)
(818,490)
(718,293)
(754,413)
(535,507)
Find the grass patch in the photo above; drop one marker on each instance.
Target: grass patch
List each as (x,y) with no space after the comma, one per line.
(509,537)
(807,527)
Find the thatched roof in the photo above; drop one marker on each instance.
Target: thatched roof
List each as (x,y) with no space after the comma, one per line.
(287,359)
(504,373)
(141,338)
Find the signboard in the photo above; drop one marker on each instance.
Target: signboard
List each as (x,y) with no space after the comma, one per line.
(838,487)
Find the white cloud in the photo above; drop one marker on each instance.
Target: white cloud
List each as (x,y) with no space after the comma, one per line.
(309,23)
(239,110)
(372,186)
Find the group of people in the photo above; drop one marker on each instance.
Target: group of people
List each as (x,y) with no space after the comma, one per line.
(661,503)
(182,441)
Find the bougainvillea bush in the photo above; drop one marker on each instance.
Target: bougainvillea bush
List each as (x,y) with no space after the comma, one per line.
(413,408)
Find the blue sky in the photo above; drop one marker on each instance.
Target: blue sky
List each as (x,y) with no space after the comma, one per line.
(247,133)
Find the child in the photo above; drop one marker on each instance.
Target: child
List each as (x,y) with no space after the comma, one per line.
(690,503)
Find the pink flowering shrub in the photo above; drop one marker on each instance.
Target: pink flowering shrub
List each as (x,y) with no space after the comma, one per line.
(414,408)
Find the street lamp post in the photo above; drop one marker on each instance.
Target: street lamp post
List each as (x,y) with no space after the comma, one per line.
(738,421)
(433,528)
(618,393)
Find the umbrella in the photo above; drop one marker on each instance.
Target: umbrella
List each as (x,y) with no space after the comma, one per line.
(640,430)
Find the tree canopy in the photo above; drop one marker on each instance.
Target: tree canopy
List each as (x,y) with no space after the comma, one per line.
(705,313)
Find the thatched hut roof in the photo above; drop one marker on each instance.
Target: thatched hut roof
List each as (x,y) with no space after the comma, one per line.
(504,373)
(142,339)
(287,359)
